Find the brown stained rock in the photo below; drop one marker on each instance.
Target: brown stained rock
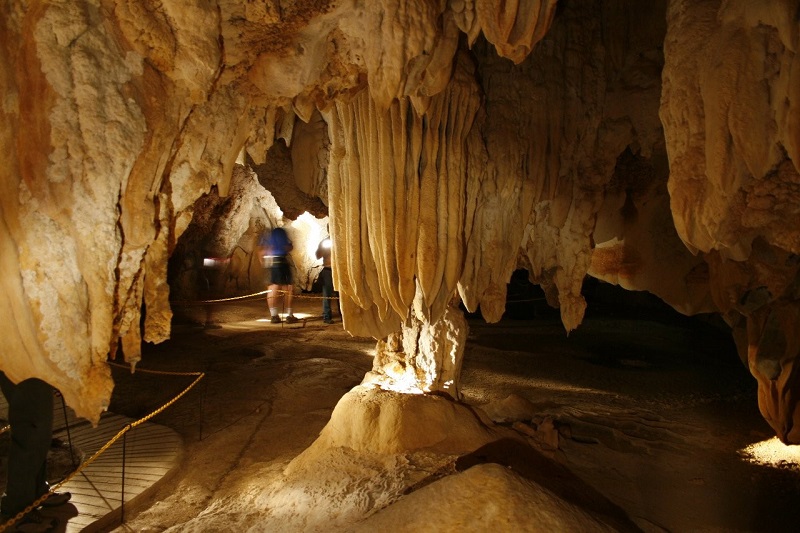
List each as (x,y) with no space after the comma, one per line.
(277,176)
(761,299)
(773,352)
(733,153)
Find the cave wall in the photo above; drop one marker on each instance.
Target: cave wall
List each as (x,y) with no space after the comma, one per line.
(731,114)
(227,231)
(90,102)
(651,145)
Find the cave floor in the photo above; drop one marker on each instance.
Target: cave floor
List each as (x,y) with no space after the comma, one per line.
(653,414)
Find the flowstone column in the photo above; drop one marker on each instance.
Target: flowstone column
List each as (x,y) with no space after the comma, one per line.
(422,357)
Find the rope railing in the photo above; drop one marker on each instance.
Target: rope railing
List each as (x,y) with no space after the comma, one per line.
(107,445)
(253,295)
(300,296)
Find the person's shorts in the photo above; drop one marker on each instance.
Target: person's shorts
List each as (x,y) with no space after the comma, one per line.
(280,272)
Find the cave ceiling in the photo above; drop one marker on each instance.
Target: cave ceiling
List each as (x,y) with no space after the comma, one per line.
(653,145)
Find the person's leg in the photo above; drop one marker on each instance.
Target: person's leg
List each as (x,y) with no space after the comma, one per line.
(288,293)
(30,413)
(272,296)
(286,288)
(272,301)
(290,318)
(327,292)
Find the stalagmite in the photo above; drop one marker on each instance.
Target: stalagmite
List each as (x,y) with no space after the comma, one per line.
(422,356)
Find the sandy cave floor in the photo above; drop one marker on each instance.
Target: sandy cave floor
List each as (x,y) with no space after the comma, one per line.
(652,414)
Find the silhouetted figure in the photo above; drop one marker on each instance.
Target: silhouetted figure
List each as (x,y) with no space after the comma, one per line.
(209,287)
(206,294)
(277,247)
(30,414)
(326,278)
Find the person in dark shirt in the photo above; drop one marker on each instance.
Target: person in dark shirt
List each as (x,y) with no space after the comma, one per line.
(326,278)
(277,247)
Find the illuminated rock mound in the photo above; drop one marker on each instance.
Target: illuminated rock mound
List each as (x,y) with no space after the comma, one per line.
(396,461)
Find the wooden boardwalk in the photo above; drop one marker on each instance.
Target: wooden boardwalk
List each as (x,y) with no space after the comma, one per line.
(151,452)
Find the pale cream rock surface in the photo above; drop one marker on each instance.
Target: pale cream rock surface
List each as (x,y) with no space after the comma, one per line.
(376,443)
(516,504)
(388,460)
(422,357)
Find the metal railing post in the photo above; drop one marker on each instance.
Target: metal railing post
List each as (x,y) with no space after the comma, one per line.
(69,435)
(122,495)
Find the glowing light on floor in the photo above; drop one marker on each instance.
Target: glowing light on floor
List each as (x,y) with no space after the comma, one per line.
(773,452)
(389,384)
(299,316)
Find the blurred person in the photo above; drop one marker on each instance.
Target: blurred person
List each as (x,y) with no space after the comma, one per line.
(277,246)
(326,278)
(30,415)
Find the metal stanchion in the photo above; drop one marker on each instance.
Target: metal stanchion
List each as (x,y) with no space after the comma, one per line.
(69,435)
(200,401)
(122,495)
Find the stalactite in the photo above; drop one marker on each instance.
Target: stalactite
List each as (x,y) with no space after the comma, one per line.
(373,181)
(515,27)
(772,351)
(411,44)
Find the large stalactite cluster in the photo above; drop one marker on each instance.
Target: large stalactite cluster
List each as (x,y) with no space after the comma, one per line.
(653,146)
(731,114)
(398,199)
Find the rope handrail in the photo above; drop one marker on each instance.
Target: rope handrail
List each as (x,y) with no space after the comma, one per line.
(199,375)
(261,293)
(299,296)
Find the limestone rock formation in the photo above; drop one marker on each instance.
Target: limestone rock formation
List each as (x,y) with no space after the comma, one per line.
(282,171)
(397,199)
(422,357)
(521,505)
(731,114)
(653,145)
(92,95)
(227,229)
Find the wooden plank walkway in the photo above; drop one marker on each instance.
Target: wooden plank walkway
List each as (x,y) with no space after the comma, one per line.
(152,452)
